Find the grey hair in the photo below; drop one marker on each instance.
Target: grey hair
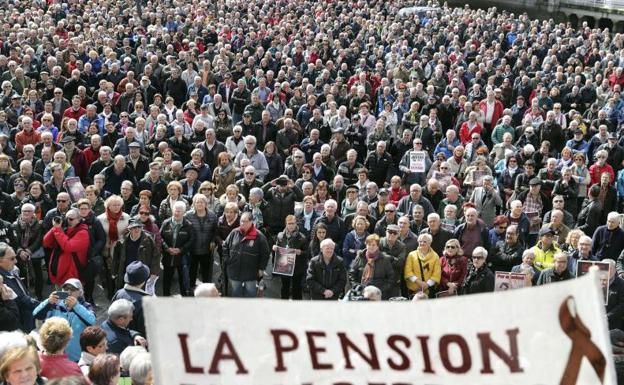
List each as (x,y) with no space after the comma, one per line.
(120,308)
(140,367)
(127,356)
(326,242)
(372,292)
(256,191)
(480,251)
(10,340)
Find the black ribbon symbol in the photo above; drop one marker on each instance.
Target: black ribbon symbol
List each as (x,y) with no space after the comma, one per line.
(582,345)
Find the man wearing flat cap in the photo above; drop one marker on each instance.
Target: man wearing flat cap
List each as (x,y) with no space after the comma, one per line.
(135,278)
(135,245)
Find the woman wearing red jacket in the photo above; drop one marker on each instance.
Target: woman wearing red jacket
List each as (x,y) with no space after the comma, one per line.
(69,248)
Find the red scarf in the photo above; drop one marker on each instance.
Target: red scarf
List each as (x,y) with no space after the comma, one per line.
(251,234)
(112,224)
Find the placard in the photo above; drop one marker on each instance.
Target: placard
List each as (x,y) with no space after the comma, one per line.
(444,179)
(284,261)
(553,334)
(75,189)
(508,281)
(583,266)
(417,161)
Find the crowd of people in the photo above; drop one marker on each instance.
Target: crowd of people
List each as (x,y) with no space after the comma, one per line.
(341,149)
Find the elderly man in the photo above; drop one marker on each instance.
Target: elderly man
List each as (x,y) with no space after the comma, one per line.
(118,334)
(116,173)
(25,303)
(528,264)
(177,238)
(324,286)
(415,197)
(248,181)
(207,290)
(379,164)
(583,253)
(255,157)
(608,240)
(438,234)
(453,197)
(559,272)
(486,200)
(135,278)
(559,229)
(472,233)
(246,254)
(508,252)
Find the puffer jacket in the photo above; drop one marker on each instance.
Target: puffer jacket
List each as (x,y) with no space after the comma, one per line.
(245,254)
(383,274)
(321,277)
(478,281)
(204,228)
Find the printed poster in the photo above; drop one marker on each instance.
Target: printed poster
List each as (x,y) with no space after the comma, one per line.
(284,261)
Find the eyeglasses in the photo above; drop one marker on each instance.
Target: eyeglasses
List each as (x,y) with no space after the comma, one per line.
(389,211)
(250,173)
(418,143)
(450,247)
(477,257)
(306,172)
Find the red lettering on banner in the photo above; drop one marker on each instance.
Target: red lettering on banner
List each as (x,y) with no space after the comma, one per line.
(511,360)
(280,349)
(424,345)
(225,351)
(445,341)
(186,356)
(315,350)
(346,344)
(392,341)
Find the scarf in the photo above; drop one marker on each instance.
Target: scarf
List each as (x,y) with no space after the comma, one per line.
(224,171)
(369,269)
(251,234)
(113,236)
(26,227)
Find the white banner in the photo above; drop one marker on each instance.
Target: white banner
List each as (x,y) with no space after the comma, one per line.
(554,335)
(417,161)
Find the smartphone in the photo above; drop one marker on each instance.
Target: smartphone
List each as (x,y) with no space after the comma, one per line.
(61,294)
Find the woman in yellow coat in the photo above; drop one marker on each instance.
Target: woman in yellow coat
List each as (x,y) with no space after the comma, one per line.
(422,268)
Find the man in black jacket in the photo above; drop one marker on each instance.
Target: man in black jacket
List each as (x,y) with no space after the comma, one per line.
(246,253)
(615,297)
(177,237)
(559,272)
(327,275)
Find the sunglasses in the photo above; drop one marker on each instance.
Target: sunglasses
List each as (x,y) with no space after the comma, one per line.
(478,257)
(451,247)
(71,219)
(144,213)
(61,201)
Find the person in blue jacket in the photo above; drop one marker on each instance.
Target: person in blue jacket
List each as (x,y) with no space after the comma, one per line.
(74,309)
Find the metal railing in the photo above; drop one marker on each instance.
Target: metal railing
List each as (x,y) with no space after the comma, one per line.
(595,3)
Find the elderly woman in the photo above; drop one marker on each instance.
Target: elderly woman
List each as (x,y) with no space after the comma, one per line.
(231,196)
(355,240)
(141,370)
(291,238)
(55,335)
(204,224)
(326,277)
(118,335)
(20,366)
(454,266)
(73,308)
(105,370)
(174,194)
(422,267)
(114,222)
(372,267)
(224,174)
(208,189)
(480,278)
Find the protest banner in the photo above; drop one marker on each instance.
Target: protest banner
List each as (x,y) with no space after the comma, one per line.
(477,178)
(417,161)
(484,339)
(582,268)
(506,281)
(284,261)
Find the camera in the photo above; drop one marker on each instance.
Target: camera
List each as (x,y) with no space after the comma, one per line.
(57,220)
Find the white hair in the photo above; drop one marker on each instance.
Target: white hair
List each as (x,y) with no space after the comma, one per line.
(206,290)
(127,356)
(120,308)
(140,367)
(327,242)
